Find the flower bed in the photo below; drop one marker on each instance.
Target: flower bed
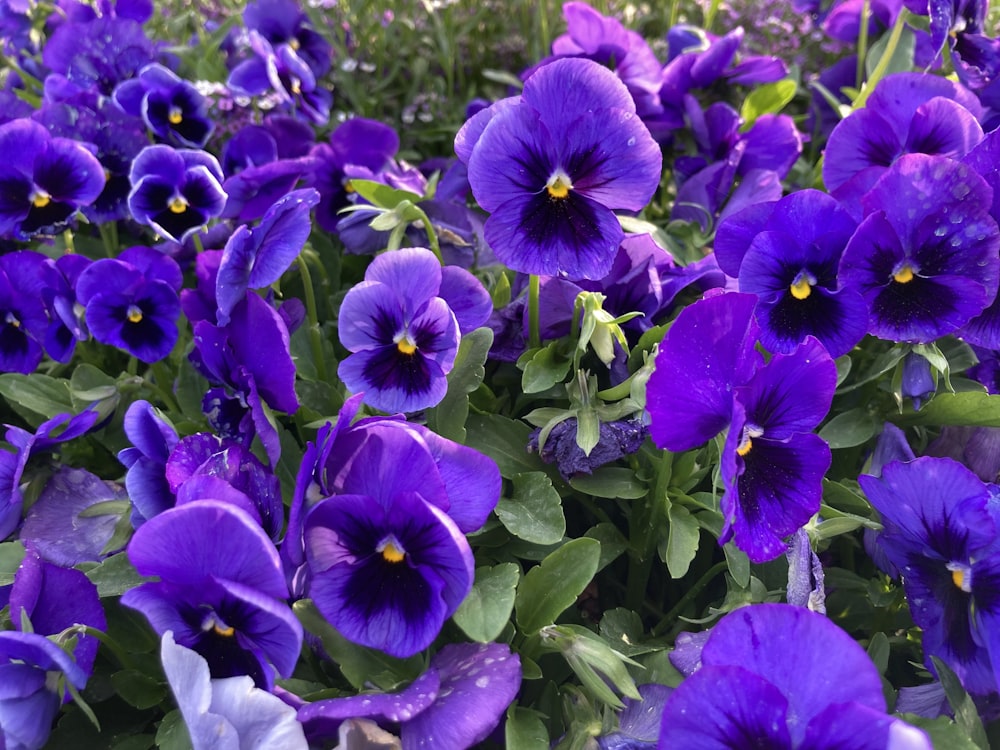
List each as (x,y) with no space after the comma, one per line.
(447,376)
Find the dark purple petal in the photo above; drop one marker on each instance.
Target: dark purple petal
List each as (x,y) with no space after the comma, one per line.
(324,716)
(564,89)
(260,343)
(466,297)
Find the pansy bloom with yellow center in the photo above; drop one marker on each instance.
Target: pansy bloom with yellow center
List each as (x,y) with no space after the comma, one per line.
(171,107)
(175,192)
(403,324)
(554,164)
(925,258)
(940,533)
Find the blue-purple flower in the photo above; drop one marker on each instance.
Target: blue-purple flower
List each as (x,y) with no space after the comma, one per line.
(709,377)
(171,107)
(940,532)
(553,165)
(778,676)
(175,191)
(43,180)
(219,588)
(403,325)
(24,322)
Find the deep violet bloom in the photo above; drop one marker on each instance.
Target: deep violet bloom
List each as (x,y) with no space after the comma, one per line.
(132,302)
(961,25)
(618,438)
(552,166)
(220,589)
(24,321)
(907,113)
(284,22)
(925,258)
(228,712)
(940,533)
(455,704)
(404,323)
(99,53)
(172,108)
(639,722)
(779,676)
(175,191)
(153,437)
(256,258)
(66,317)
(43,180)
(788,254)
(708,378)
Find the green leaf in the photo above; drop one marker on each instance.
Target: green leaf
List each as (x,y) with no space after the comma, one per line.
(546,367)
(966,714)
(534,511)
(943,732)
(553,586)
(625,633)
(138,688)
(739,564)
(852,427)
(89,384)
(114,576)
(969,408)
(506,442)
(448,417)
(767,99)
(611,482)
(525,730)
(190,390)
(11,555)
(172,733)
(902,56)
(37,394)
(381,195)
(613,542)
(682,540)
(878,651)
(486,610)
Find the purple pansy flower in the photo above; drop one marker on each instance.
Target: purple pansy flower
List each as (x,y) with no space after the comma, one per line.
(552,166)
(220,589)
(44,180)
(925,258)
(153,438)
(229,711)
(405,321)
(175,191)
(98,54)
(171,107)
(940,533)
(24,322)
(132,302)
(709,377)
(66,318)
(455,704)
(783,677)
(284,22)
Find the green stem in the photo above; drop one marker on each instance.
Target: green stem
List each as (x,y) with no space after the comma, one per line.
(121,654)
(432,238)
(691,593)
(109,238)
(859,74)
(534,325)
(315,332)
(883,62)
(162,386)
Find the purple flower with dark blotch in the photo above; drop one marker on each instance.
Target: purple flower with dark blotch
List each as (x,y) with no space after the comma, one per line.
(175,191)
(132,302)
(284,22)
(54,599)
(925,258)
(256,258)
(44,180)
(24,321)
(617,439)
(250,355)
(171,107)
(708,377)
(66,316)
(57,526)
(366,143)
(386,571)
(939,531)
(220,589)
(788,254)
(961,25)
(402,334)
(455,704)
(226,712)
(553,165)
(251,192)
(203,466)
(153,437)
(98,54)
(783,677)
(907,113)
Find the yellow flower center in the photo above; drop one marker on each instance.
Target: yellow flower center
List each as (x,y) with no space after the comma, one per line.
(392,553)
(177,205)
(175,116)
(226,631)
(744,447)
(405,345)
(12,320)
(904,275)
(40,199)
(559,185)
(958,578)
(134,314)
(296,86)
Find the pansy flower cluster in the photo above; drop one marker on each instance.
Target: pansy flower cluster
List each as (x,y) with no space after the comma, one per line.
(370,382)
